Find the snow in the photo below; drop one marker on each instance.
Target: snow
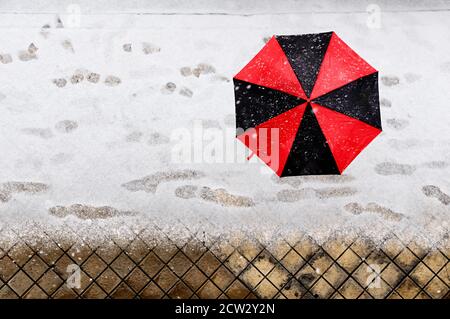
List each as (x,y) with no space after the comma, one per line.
(108,144)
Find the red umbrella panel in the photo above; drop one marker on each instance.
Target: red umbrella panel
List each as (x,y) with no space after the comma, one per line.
(307,104)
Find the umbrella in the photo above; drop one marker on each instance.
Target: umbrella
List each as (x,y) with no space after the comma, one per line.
(307,104)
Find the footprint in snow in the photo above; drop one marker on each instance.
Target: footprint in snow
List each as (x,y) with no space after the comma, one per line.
(389,168)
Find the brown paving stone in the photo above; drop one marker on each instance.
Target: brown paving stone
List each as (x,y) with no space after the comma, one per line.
(123,291)
(222,278)
(307,276)
(7,293)
(66,242)
(194,278)
(251,276)
(165,252)
(349,260)
(165,279)
(371,275)
(34,245)
(94,266)
(279,276)
(152,291)
(122,265)
(362,273)
(322,289)
(208,263)
(266,289)
(151,264)
(374,279)
(417,249)
(208,291)
(392,275)
(94,292)
(308,295)
(61,266)
(350,289)
(293,289)
(264,262)
(320,261)
(79,253)
(436,288)
(51,253)
(237,290)
(279,249)
(335,275)
(222,250)
(20,253)
(236,262)
(280,296)
(306,247)
(250,249)
(444,274)
(50,282)
(137,279)
(292,261)
(362,247)
(422,295)
(408,289)
(180,291)
(336,295)
(35,267)
(421,274)
(7,268)
(108,280)
(85,281)
(179,264)
(435,260)
(251,295)
(334,248)
(392,247)
(64,292)
(394,295)
(35,293)
(378,289)
(365,295)
(377,260)
(20,283)
(406,260)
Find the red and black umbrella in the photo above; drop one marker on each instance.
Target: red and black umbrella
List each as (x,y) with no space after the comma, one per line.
(307,104)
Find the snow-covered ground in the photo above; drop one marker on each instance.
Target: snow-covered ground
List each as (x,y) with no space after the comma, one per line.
(90,104)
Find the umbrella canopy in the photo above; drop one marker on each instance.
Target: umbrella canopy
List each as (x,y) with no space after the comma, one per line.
(307,104)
